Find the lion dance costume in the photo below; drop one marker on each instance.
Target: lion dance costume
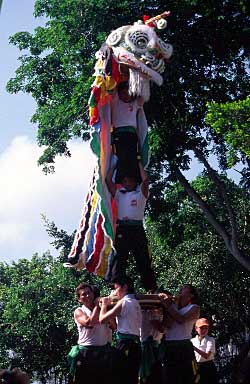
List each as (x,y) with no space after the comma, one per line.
(136,53)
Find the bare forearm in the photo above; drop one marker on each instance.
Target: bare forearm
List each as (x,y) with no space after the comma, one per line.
(205,355)
(143,173)
(103,313)
(94,318)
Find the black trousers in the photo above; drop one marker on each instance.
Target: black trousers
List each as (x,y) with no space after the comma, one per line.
(178,363)
(125,146)
(96,366)
(208,373)
(129,353)
(132,239)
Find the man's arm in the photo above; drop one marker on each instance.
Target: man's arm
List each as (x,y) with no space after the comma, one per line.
(144,177)
(87,321)
(110,184)
(192,314)
(105,314)
(205,355)
(140,101)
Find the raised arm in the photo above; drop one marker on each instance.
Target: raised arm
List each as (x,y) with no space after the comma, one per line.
(110,184)
(144,177)
(140,101)
(107,315)
(170,308)
(87,321)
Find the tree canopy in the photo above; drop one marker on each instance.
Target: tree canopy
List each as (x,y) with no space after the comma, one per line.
(36,315)
(209,67)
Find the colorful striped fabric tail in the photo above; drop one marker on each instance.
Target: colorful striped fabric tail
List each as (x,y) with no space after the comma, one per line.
(93,246)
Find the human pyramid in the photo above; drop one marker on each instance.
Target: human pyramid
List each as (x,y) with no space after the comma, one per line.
(124,337)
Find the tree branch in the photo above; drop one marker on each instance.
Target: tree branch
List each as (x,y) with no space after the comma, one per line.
(212,174)
(232,246)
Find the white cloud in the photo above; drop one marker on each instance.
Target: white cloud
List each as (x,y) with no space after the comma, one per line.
(26,193)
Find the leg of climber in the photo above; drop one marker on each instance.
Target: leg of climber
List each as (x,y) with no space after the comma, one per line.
(143,258)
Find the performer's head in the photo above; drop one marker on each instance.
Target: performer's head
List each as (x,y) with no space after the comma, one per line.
(123,92)
(129,182)
(123,285)
(85,293)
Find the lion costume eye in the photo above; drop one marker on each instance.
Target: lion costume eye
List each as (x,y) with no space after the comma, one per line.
(138,37)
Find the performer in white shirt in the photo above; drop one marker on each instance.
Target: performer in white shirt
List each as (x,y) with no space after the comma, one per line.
(125,144)
(130,200)
(128,315)
(176,350)
(92,358)
(204,347)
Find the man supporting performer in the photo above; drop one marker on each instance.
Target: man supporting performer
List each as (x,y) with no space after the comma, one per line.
(92,359)
(131,199)
(176,351)
(128,314)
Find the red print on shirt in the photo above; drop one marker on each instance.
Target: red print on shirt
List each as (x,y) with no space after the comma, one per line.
(133,203)
(130,107)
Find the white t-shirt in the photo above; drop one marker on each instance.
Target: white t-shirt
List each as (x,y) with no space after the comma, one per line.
(181,331)
(130,318)
(130,205)
(96,335)
(207,344)
(124,114)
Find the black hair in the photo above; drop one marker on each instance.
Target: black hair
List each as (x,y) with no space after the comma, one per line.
(96,291)
(193,291)
(123,85)
(124,280)
(82,286)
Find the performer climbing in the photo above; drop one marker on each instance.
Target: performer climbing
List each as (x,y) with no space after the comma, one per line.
(124,136)
(131,199)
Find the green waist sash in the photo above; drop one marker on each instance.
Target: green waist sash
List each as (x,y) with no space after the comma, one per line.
(130,223)
(72,355)
(127,128)
(126,336)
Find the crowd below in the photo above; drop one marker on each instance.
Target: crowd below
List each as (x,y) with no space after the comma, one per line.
(131,344)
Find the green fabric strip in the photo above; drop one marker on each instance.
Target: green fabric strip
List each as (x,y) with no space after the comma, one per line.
(73,353)
(95,146)
(149,350)
(126,336)
(128,128)
(71,357)
(92,102)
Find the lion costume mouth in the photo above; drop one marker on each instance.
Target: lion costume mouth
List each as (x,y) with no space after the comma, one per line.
(139,47)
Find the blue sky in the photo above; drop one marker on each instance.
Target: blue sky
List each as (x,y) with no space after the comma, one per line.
(26,192)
